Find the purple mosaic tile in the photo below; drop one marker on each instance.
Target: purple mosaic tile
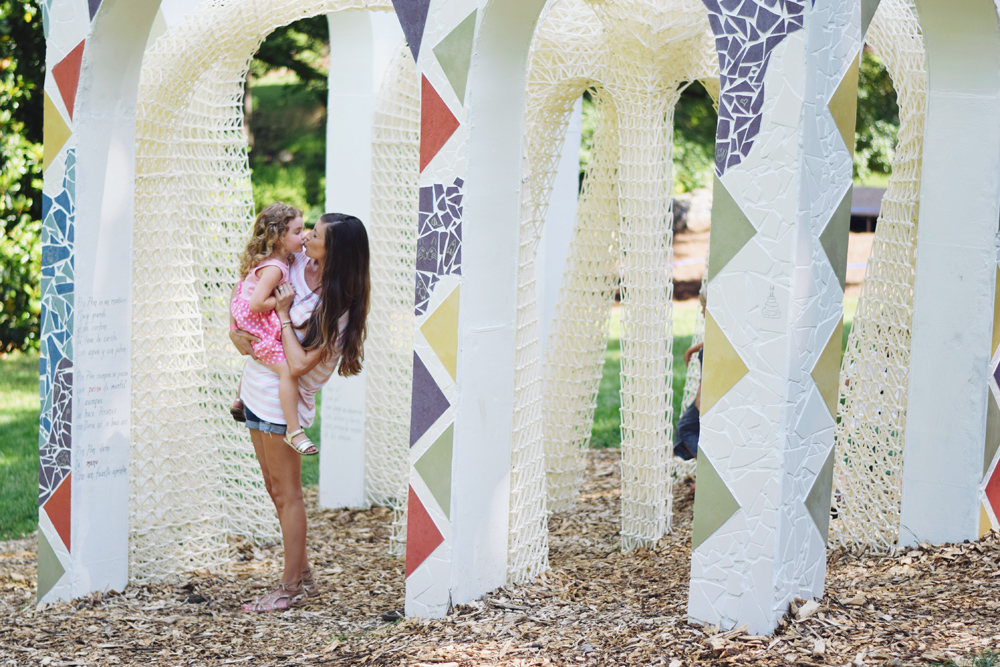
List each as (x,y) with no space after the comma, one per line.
(439,238)
(428,401)
(746,33)
(56,358)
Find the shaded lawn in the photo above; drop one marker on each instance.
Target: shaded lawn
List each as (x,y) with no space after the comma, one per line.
(19,410)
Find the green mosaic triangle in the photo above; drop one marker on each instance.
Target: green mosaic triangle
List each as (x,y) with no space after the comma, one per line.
(731,229)
(434,467)
(868,8)
(50,570)
(834,237)
(820,496)
(454,53)
(713,502)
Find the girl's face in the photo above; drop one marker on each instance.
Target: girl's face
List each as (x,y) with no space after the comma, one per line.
(291,241)
(314,242)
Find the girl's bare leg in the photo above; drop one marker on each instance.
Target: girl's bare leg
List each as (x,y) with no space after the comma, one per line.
(282,469)
(288,393)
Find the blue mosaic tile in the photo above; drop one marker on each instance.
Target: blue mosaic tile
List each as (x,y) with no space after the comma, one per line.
(439,238)
(746,33)
(56,362)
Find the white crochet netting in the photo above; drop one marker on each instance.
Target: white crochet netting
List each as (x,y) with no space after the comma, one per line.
(193,477)
(875,370)
(392,235)
(635,57)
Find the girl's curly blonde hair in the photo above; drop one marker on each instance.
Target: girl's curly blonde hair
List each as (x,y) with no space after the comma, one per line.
(268,228)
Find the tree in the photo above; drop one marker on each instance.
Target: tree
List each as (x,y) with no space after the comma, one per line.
(22,53)
(877,119)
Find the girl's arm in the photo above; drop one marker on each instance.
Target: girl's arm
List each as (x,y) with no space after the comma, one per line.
(261,300)
(242,340)
(300,361)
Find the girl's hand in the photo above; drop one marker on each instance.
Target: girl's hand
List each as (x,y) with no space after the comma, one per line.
(284,295)
(243,341)
(691,351)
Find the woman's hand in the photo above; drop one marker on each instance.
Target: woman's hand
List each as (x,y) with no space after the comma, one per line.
(285,295)
(243,341)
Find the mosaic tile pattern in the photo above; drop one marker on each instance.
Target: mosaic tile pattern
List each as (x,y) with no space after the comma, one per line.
(439,238)
(56,363)
(412,15)
(746,33)
(774,310)
(437,123)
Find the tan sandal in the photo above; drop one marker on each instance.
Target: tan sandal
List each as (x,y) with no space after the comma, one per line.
(285,596)
(305,447)
(308,583)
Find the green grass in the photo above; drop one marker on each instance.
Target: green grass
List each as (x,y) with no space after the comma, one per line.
(607,415)
(19,410)
(985,659)
(19,407)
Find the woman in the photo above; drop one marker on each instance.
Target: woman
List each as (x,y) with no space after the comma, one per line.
(323,312)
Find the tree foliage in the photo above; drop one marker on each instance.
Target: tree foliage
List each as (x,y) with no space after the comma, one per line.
(22,53)
(877,119)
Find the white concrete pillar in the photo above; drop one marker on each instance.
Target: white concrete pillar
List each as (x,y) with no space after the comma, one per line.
(361,47)
(473,63)
(773,326)
(87,294)
(955,274)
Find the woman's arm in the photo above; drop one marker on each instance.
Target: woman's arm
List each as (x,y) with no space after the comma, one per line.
(300,361)
(262,300)
(242,340)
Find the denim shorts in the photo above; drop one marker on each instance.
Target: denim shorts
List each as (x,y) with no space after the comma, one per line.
(257,424)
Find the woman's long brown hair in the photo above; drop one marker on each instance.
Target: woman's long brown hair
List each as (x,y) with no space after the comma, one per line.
(346,289)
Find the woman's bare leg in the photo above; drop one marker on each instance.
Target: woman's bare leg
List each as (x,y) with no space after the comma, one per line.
(282,468)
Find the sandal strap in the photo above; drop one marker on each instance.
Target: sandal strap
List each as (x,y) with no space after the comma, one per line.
(293,595)
(302,446)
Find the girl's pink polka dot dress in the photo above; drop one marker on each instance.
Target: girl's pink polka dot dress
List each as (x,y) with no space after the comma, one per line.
(267,325)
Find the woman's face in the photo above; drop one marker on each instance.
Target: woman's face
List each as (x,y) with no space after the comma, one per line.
(314,242)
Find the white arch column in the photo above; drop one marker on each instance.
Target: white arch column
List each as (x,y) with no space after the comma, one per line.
(956,269)
(361,47)
(472,63)
(90,151)
(776,267)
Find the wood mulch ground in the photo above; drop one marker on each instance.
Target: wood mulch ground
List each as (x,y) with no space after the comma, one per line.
(596,606)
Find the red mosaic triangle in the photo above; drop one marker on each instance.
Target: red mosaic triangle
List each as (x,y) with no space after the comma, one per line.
(422,536)
(437,122)
(57,507)
(67,76)
(993,491)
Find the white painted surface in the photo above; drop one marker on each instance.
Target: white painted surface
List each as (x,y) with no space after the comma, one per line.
(105,130)
(553,247)
(361,47)
(956,269)
(487,319)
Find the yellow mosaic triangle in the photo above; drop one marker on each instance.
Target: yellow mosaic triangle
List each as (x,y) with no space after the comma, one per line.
(723,365)
(55,133)
(826,372)
(714,503)
(996,316)
(820,497)
(441,331)
(844,104)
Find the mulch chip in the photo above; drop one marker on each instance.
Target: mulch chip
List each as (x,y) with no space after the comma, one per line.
(596,606)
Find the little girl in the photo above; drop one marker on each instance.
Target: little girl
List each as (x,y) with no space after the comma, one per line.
(277,234)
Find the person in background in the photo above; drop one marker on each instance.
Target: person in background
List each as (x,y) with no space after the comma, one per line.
(689,425)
